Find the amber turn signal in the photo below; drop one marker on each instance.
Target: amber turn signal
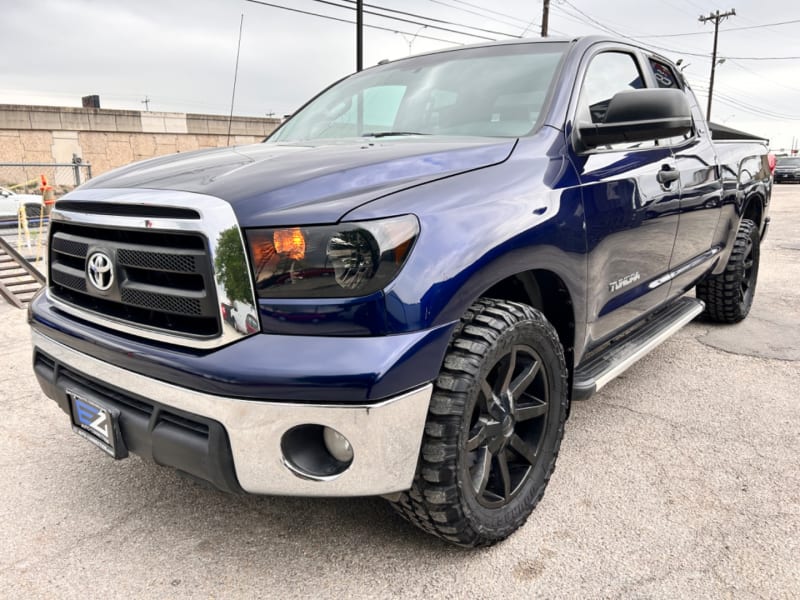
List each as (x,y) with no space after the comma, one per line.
(290,242)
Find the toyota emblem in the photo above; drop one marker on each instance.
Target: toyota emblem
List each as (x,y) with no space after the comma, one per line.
(100,271)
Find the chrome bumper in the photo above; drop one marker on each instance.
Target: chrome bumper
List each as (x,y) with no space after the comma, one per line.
(385,437)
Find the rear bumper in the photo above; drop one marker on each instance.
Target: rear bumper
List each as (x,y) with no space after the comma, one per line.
(786,177)
(235,443)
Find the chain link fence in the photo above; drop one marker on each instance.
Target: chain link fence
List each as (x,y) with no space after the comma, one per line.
(23,214)
(26,178)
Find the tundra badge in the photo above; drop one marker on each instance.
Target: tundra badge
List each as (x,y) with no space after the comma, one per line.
(624,281)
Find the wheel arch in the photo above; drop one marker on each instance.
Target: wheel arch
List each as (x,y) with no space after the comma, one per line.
(753,209)
(547,292)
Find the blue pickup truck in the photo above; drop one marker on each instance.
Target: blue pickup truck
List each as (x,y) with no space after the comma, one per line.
(401,290)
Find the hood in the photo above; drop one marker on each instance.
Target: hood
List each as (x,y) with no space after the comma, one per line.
(281,184)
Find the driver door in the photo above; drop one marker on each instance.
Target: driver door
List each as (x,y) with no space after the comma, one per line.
(630,207)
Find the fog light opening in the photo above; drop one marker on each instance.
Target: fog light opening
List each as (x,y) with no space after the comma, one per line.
(316,452)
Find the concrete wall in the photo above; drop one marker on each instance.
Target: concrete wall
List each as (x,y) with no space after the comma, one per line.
(111,138)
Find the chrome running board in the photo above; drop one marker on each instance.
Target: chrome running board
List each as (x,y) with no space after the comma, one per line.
(591,376)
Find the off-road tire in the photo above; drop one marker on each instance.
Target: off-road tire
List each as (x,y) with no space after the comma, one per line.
(729,295)
(496,341)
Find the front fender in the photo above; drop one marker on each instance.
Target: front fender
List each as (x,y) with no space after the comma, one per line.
(481,227)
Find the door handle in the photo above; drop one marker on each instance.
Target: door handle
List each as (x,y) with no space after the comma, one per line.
(667,175)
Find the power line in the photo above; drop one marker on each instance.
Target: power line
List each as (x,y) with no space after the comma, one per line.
(762,76)
(524,24)
(330,18)
(595,21)
(488,10)
(586,20)
(403,20)
(738,103)
(483,16)
(235,77)
(732,102)
(758,97)
(769,26)
(432,19)
(669,35)
(589,20)
(763,57)
(755,112)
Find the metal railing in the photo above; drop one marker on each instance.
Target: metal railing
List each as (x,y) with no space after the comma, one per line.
(19,279)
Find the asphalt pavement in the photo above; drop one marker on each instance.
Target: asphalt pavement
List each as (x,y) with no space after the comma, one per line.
(681,479)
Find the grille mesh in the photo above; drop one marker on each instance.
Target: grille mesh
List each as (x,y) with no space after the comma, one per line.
(70,281)
(157,261)
(70,247)
(162,302)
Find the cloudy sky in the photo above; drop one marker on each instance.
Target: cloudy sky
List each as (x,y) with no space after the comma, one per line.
(180,53)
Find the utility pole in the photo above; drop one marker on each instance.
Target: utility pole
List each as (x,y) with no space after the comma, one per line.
(146,103)
(359,35)
(717,17)
(545,16)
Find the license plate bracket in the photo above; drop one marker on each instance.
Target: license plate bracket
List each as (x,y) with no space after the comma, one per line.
(97,422)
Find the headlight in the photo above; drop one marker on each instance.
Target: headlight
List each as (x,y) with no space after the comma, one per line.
(330,261)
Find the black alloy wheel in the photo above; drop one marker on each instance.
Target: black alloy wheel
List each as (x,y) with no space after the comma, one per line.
(507,427)
(749,273)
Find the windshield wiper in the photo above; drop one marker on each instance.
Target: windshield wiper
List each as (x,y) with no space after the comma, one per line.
(380,134)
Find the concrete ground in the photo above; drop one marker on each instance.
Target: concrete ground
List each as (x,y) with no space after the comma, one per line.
(679,480)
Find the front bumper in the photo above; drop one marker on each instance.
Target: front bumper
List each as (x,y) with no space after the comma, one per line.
(244,436)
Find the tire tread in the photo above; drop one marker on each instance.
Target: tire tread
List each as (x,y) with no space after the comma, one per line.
(434,501)
(721,292)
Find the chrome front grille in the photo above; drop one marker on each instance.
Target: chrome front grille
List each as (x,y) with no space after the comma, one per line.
(162,280)
(163,248)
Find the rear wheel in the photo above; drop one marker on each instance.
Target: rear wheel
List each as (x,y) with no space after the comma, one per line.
(494,426)
(729,295)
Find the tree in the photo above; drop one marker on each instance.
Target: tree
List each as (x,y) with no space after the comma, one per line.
(231,266)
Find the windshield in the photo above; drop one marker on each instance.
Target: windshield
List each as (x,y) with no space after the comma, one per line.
(489,91)
(789,162)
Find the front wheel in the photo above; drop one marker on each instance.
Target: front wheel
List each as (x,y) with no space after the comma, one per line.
(494,426)
(729,295)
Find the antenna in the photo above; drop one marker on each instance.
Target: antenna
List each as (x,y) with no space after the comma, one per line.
(146,103)
(235,75)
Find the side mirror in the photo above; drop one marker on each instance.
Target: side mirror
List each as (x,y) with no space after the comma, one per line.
(639,116)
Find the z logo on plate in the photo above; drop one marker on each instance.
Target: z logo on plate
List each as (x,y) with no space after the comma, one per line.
(93,418)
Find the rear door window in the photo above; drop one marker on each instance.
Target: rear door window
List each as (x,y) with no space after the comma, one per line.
(664,75)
